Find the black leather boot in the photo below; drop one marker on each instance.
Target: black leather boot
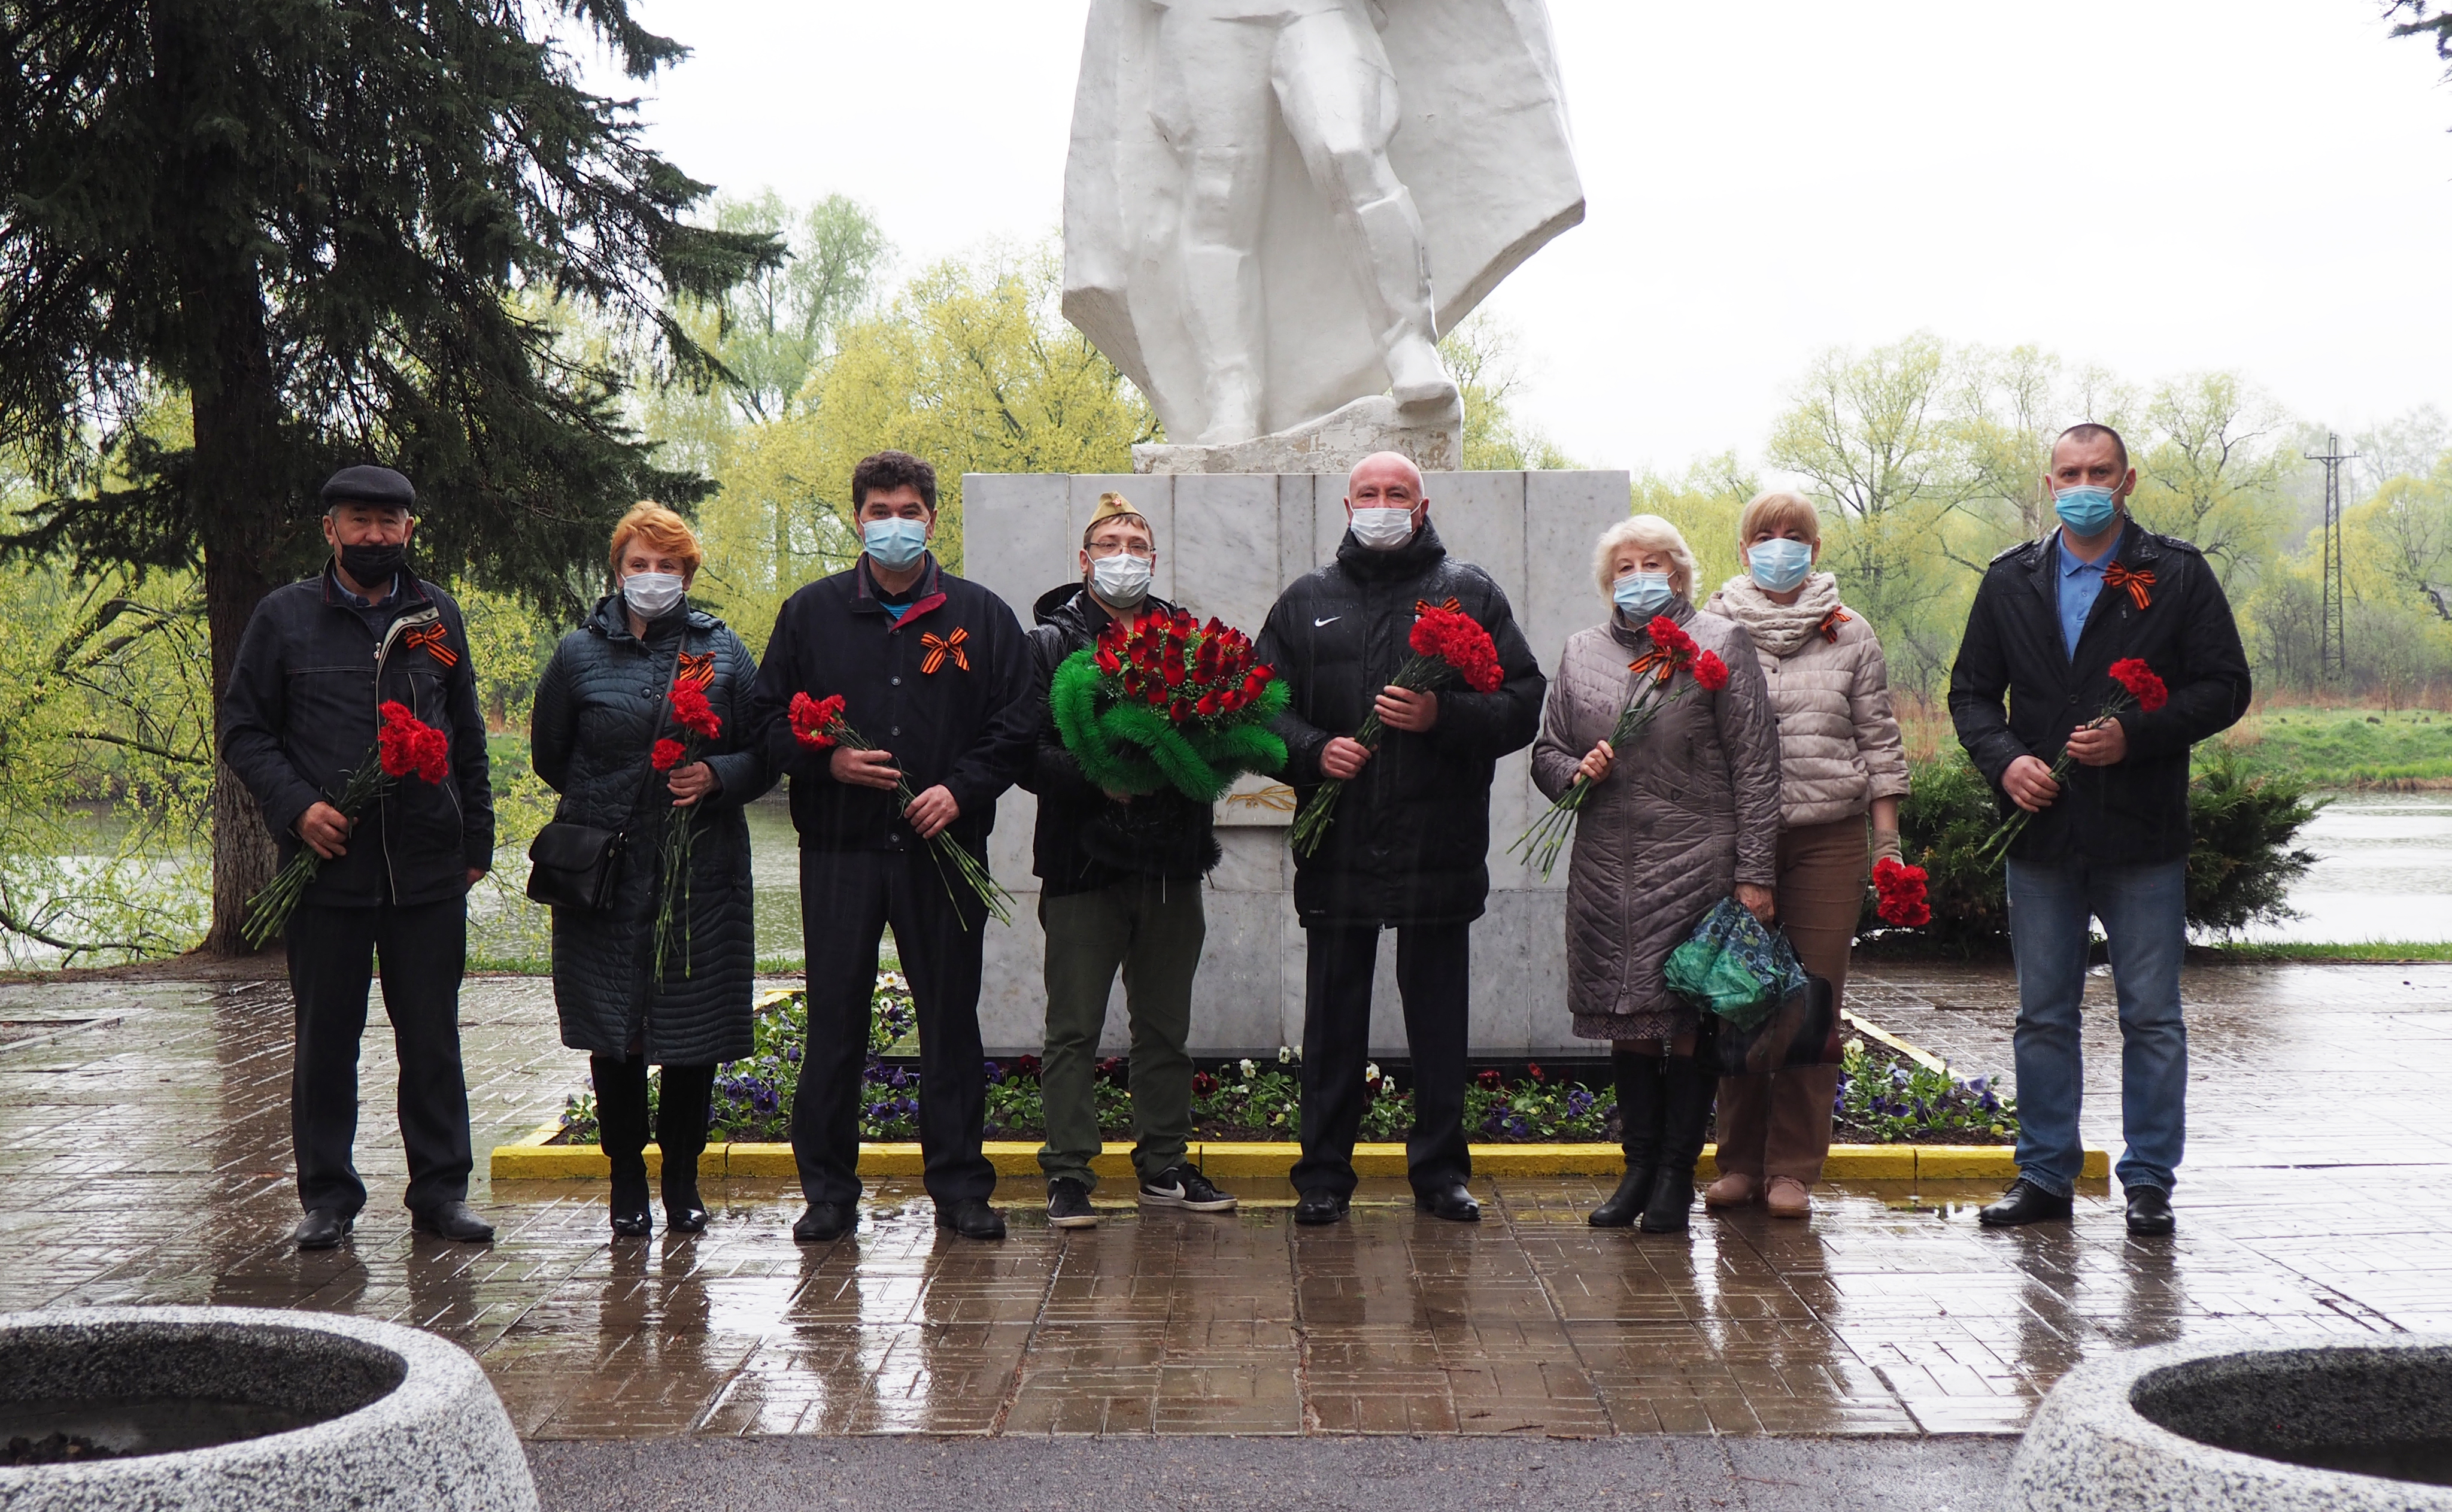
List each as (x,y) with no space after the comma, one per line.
(680,1133)
(1638,1112)
(622,1131)
(1687,1083)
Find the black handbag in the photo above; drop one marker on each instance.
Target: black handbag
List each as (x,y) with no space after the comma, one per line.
(579,866)
(1796,1032)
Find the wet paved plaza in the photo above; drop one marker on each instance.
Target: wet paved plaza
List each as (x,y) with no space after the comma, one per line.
(142,1127)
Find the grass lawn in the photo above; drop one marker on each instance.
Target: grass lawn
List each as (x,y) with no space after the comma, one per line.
(2246,953)
(2349,748)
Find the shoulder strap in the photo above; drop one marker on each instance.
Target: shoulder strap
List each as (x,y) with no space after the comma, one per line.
(656,731)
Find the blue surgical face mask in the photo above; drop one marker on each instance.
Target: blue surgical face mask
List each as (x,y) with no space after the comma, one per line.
(895,543)
(2084,509)
(1641,594)
(1779,565)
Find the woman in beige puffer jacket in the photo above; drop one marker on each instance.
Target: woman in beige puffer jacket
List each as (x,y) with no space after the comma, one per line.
(1840,762)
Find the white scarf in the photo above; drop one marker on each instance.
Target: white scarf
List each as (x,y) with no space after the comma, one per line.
(1778,628)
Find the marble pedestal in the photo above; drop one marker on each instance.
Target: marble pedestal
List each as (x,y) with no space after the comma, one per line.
(1227,545)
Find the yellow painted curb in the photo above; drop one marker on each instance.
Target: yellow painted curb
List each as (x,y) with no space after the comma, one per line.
(533,1159)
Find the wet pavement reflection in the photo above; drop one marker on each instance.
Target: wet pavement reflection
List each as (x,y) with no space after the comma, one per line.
(144,1137)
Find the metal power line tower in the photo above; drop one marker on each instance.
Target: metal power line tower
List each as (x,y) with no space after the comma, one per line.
(2332,647)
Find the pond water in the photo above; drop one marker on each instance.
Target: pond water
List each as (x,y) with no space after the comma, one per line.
(2383,872)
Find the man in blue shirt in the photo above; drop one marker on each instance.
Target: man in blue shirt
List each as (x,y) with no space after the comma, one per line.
(2108,839)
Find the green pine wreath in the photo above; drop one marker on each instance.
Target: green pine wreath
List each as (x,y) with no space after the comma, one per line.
(1133,748)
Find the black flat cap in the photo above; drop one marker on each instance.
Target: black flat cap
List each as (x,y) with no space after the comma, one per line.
(379,486)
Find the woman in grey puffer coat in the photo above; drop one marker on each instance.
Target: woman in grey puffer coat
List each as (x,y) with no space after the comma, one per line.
(601,706)
(1686,816)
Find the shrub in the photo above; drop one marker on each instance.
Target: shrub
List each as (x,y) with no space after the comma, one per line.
(2240,867)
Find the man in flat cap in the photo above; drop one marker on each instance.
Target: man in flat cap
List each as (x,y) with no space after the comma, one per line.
(1119,888)
(299,716)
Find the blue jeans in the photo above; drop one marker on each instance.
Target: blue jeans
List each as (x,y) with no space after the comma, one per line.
(2143,911)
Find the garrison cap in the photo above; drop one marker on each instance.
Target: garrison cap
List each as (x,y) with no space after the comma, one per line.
(379,486)
(1110,506)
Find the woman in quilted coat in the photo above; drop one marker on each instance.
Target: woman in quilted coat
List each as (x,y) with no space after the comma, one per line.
(1840,761)
(600,707)
(1685,816)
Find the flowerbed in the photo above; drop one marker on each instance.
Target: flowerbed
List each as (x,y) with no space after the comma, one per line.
(1884,1098)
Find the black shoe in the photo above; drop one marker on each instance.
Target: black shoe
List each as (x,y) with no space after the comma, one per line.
(1319,1207)
(1187,1188)
(971,1218)
(628,1200)
(1068,1204)
(684,1212)
(1626,1204)
(453,1220)
(322,1229)
(823,1222)
(1451,1202)
(1687,1085)
(1671,1201)
(2025,1203)
(2149,1213)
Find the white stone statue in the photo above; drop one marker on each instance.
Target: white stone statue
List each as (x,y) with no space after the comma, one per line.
(1272,208)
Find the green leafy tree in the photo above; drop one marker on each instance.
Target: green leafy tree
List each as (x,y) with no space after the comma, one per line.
(1483,356)
(319,224)
(1878,439)
(2216,469)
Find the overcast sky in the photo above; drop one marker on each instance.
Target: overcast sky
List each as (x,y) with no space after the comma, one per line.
(2152,186)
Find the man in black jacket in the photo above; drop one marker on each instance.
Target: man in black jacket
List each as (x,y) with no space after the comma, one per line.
(1408,847)
(1119,887)
(299,716)
(2110,839)
(934,669)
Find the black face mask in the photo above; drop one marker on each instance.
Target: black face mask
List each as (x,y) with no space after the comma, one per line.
(371,565)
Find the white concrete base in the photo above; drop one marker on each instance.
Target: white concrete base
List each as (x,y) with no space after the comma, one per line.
(1227,545)
(1333,444)
(2096,1444)
(410,1423)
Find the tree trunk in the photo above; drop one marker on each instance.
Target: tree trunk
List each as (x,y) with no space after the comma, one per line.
(244,856)
(242,500)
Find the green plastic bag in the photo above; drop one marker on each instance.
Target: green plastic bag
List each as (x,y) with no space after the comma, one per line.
(1733,967)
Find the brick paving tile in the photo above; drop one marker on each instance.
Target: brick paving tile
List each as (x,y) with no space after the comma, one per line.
(147,1161)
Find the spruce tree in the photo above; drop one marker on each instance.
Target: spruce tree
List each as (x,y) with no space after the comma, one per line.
(332,230)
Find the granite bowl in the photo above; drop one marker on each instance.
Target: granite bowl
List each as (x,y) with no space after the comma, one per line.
(260,1409)
(2324,1426)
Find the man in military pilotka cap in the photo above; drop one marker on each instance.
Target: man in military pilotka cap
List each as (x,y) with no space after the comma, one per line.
(299,716)
(1119,887)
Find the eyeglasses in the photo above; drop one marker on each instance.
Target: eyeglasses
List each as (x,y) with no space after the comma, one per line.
(1126,548)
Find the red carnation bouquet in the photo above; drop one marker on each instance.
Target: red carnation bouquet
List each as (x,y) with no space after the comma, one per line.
(1449,646)
(1166,700)
(699,724)
(2138,686)
(818,725)
(1672,651)
(1900,891)
(405,746)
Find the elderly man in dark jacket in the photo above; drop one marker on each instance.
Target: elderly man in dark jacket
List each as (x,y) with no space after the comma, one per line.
(299,716)
(1408,847)
(2110,840)
(934,668)
(1119,888)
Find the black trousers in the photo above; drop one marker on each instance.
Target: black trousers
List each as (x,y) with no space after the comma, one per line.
(848,899)
(423,952)
(1434,974)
